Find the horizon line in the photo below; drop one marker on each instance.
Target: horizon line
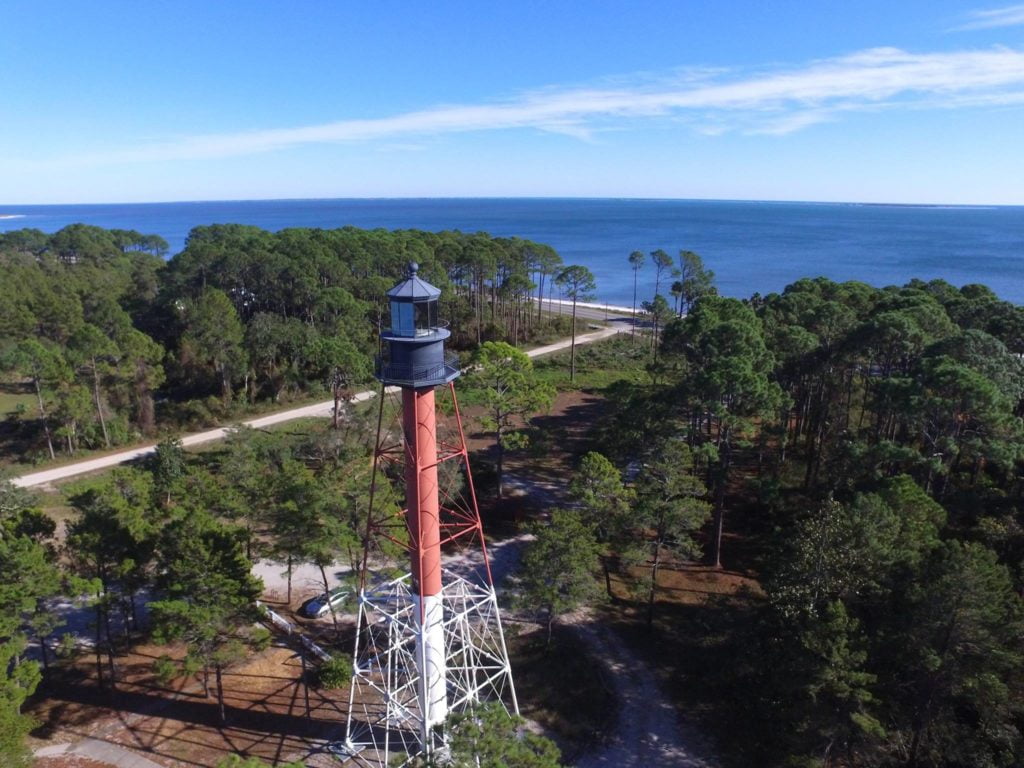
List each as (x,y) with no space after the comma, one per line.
(624,198)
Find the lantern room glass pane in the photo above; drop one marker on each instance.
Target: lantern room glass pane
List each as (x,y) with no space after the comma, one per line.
(425,316)
(402,319)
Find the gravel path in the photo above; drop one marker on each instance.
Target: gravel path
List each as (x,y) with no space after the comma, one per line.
(648,733)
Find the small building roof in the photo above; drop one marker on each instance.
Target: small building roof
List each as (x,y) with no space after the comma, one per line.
(413,288)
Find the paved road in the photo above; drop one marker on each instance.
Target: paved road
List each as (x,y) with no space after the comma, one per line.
(323,409)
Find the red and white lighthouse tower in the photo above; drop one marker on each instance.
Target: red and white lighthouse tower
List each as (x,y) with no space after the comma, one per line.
(430,642)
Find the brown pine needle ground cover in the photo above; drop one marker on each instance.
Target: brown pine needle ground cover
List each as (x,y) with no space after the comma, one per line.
(695,608)
(561,687)
(178,726)
(693,599)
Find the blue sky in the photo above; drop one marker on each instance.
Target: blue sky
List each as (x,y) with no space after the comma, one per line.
(915,102)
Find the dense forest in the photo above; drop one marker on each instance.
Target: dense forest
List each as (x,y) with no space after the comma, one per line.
(113,343)
(855,452)
(862,451)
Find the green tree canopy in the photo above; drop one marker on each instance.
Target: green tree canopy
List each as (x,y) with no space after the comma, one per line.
(603,498)
(727,379)
(670,508)
(213,338)
(30,576)
(558,566)
(695,279)
(211,594)
(511,395)
(487,737)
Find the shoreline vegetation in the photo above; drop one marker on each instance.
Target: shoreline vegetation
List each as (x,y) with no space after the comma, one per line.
(803,510)
(758,246)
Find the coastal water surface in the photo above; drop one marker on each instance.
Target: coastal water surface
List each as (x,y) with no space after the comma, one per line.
(751,246)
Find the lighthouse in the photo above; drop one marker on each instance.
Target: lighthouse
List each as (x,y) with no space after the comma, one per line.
(414,360)
(430,642)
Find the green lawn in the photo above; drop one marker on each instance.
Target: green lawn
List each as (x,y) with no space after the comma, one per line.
(10,400)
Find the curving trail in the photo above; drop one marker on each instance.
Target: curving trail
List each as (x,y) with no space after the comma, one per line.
(648,733)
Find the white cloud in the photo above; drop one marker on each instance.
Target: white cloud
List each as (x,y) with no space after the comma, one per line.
(774,101)
(794,122)
(1010,16)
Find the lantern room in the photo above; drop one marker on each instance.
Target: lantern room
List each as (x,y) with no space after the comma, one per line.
(412,350)
(413,306)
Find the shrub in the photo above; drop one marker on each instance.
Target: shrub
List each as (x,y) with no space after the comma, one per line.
(336,673)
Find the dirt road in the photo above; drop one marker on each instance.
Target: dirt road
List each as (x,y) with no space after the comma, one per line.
(323,409)
(101,751)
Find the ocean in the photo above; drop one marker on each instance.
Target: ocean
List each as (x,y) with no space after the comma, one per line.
(752,246)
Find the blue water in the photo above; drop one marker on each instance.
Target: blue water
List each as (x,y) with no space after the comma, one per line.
(751,246)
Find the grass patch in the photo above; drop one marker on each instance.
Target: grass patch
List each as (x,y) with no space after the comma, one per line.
(12,402)
(55,505)
(598,365)
(562,688)
(17,397)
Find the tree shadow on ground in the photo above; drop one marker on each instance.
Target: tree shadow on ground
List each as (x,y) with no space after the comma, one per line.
(154,722)
(696,650)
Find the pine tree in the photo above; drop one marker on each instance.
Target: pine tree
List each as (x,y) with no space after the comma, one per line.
(487,737)
(211,594)
(577,283)
(558,566)
(30,576)
(511,395)
(605,503)
(670,508)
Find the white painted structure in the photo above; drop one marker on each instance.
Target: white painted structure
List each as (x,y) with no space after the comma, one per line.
(388,723)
